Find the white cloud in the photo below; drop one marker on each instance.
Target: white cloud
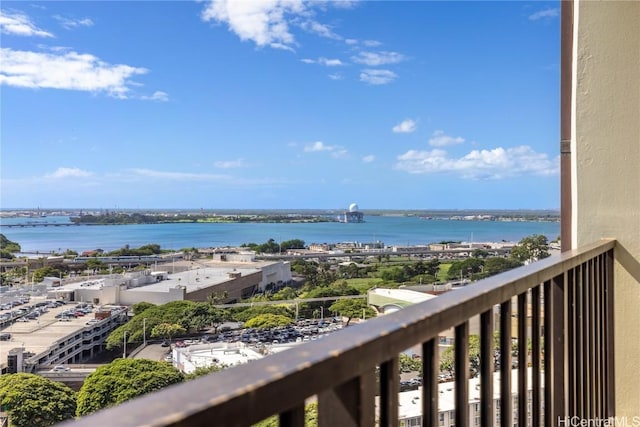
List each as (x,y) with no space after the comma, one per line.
(369,158)
(351,41)
(498,163)
(440,139)
(406,126)
(20,25)
(157,96)
(230,164)
(336,76)
(68,70)
(264,22)
(371,43)
(377,77)
(70,23)
(62,173)
(323,61)
(181,176)
(330,62)
(229,180)
(319,146)
(374,59)
(544,14)
(319,29)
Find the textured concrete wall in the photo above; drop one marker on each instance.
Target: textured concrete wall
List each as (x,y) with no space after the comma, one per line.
(606,164)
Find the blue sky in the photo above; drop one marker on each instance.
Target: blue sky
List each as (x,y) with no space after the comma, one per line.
(280,104)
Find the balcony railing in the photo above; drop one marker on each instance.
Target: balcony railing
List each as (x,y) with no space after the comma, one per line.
(564,308)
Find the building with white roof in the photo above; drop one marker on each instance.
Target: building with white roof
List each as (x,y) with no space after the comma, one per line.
(235,281)
(188,359)
(410,402)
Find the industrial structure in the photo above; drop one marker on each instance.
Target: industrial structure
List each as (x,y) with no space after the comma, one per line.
(353,214)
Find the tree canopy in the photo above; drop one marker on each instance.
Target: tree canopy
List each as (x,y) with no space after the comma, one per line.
(310,418)
(124,379)
(531,248)
(190,315)
(8,245)
(244,315)
(34,401)
(202,371)
(141,306)
(351,308)
(465,268)
(265,321)
(495,265)
(447,356)
(167,330)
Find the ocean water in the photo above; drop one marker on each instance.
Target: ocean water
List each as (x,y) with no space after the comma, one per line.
(390,230)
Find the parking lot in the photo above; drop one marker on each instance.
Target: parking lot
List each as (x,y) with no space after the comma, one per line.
(302,331)
(35,324)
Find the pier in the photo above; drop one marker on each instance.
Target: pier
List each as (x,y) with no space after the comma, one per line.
(40,224)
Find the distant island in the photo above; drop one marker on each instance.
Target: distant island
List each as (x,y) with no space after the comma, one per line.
(173,218)
(156,216)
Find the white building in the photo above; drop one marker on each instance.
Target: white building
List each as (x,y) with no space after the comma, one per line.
(235,280)
(188,359)
(410,408)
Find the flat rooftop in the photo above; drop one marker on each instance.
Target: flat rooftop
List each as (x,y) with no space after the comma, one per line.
(201,275)
(196,279)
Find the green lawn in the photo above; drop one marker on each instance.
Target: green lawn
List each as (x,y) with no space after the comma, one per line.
(364,284)
(442,273)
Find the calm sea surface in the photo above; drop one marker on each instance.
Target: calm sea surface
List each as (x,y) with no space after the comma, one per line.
(390,230)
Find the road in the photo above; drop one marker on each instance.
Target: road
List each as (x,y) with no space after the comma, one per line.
(153,352)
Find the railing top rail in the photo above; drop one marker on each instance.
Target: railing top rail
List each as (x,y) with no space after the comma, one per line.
(279,382)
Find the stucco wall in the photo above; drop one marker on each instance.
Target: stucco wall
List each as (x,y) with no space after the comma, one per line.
(233,288)
(606,165)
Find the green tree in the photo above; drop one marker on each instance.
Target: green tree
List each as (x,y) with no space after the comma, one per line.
(409,364)
(247,313)
(43,272)
(495,265)
(8,245)
(34,401)
(480,253)
(265,321)
(167,330)
(141,306)
(203,315)
(447,356)
(292,244)
(124,379)
(310,418)
(351,308)
(394,274)
(175,312)
(202,371)
(286,293)
(465,268)
(531,248)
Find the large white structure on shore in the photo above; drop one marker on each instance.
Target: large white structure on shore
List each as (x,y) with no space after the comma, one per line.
(353,214)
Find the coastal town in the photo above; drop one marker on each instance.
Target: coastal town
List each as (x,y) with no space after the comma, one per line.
(65,316)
